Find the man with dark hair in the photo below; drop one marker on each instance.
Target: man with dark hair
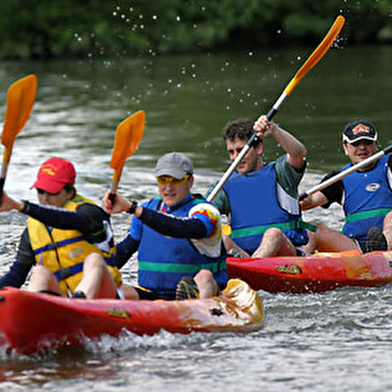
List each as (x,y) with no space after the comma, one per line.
(365,196)
(260,199)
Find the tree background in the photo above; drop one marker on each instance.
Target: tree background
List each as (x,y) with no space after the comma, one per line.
(75,28)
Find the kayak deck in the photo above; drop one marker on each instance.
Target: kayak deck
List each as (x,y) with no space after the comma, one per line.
(31,322)
(314,274)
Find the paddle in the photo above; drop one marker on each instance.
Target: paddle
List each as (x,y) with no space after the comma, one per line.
(313,59)
(128,136)
(20,101)
(345,173)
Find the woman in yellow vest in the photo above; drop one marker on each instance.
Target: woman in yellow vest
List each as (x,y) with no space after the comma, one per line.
(68,239)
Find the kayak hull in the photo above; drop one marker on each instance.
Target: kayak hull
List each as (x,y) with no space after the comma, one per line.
(31,322)
(314,274)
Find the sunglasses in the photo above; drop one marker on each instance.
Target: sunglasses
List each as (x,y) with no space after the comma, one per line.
(366,142)
(164,180)
(42,192)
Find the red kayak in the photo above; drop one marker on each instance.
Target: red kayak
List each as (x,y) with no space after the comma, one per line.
(31,322)
(314,274)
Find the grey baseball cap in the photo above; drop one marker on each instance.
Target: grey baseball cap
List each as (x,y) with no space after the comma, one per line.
(174,164)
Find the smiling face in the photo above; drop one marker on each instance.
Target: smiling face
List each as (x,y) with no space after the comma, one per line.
(251,161)
(360,150)
(175,194)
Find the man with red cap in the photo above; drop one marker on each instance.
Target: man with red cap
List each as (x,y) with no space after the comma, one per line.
(68,239)
(366,197)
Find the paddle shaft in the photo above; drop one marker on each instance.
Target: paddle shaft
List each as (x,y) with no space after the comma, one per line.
(312,60)
(115,181)
(4,168)
(241,155)
(345,173)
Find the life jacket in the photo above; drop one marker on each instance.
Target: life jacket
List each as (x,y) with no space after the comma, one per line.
(255,207)
(64,251)
(367,199)
(164,260)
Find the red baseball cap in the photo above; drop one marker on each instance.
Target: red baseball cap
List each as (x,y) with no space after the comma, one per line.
(54,175)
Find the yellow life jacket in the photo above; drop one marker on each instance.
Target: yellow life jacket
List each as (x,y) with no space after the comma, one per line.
(64,251)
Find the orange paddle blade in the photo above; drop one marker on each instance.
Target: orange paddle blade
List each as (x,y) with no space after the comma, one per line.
(20,101)
(318,54)
(128,136)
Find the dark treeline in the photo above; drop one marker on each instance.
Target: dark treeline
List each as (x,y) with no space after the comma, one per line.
(48,28)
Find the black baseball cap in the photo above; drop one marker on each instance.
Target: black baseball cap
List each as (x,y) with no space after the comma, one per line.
(359,129)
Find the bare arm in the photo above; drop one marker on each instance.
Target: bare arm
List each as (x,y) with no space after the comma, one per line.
(312,201)
(296,151)
(8,204)
(121,204)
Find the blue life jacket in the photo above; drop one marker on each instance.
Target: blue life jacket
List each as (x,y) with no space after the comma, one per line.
(367,199)
(255,208)
(164,260)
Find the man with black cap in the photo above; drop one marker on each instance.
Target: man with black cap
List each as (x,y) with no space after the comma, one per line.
(68,239)
(178,237)
(365,195)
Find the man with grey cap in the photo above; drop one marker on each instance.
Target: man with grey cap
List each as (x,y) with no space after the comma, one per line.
(365,195)
(178,237)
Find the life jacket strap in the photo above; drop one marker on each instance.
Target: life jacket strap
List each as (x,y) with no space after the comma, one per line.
(66,272)
(214,267)
(367,214)
(285,226)
(58,244)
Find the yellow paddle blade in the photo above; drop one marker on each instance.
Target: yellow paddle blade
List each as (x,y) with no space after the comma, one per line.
(20,101)
(128,136)
(317,55)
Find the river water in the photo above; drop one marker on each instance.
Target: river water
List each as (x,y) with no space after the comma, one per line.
(338,340)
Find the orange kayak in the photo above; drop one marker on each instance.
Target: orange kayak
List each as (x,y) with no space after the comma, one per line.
(314,274)
(31,322)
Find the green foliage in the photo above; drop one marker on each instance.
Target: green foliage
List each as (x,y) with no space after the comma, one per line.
(48,28)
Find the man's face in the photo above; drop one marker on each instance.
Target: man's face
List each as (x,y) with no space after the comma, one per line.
(360,150)
(173,194)
(251,161)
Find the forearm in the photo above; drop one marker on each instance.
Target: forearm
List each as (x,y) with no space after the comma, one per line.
(125,249)
(16,276)
(294,148)
(173,226)
(313,201)
(55,217)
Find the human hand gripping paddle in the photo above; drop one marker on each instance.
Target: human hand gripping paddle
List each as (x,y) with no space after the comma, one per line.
(20,101)
(313,59)
(345,173)
(128,136)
